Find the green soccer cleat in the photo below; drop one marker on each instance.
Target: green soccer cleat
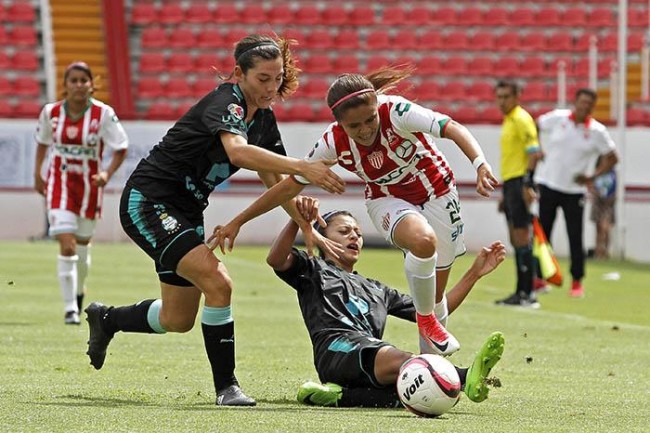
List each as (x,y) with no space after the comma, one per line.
(315,394)
(475,387)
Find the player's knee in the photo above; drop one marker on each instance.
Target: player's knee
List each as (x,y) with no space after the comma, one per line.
(217,283)
(424,246)
(179,323)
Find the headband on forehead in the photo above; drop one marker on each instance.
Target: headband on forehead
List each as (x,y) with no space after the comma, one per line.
(351,95)
(79,65)
(257,45)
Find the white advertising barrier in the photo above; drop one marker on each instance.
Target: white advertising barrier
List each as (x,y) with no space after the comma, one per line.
(22,209)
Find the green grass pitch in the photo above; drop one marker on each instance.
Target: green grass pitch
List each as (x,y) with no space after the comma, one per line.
(576,365)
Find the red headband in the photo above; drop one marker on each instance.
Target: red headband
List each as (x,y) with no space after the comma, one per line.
(351,95)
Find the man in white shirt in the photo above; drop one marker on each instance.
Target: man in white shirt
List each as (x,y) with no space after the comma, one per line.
(571,141)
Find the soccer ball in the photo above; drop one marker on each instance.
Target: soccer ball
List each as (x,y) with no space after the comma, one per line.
(428,385)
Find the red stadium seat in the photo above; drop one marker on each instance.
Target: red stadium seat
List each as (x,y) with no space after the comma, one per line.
(634,42)
(280,112)
(210,38)
(378,40)
(601,17)
(452,91)
(456,40)
(150,87)
(5,61)
(362,16)
(470,16)
(490,115)
(506,67)
(203,86)
(5,87)
(26,86)
(483,40)
(637,17)
(533,67)
(280,14)
(404,61)
(323,114)
(554,66)
(377,61)
(428,90)
(143,14)
(480,91)
(4,37)
(560,41)
(27,109)
(535,91)
(346,39)
(574,17)
(204,63)
(152,63)
(24,35)
(171,13)
(181,62)
(431,40)
(429,65)
(636,116)
(467,114)
(507,41)
(479,65)
(154,37)
(182,109)
(315,88)
(548,17)
(25,61)
(252,14)
(496,16)
(178,88)
(609,43)
(445,16)
(317,64)
(300,112)
(583,42)
(405,39)
(232,36)
(198,13)
(522,17)
(21,12)
(334,15)
(320,39)
(307,15)
(227,63)
(182,37)
(394,16)
(225,13)
(454,65)
(293,33)
(533,41)
(345,63)
(420,16)
(160,111)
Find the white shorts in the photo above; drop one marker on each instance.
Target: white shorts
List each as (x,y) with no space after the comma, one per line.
(442,214)
(64,221)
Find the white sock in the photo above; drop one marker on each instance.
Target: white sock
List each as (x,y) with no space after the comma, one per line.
(421,277)
(67,268)
(441,311)
(83,252)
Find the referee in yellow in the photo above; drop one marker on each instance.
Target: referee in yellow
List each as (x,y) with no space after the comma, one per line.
(520,152)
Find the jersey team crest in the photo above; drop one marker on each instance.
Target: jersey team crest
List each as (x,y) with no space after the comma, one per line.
(376,159)
(237,111)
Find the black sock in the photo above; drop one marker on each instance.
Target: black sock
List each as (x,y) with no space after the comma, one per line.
(132,318)
(220,347)
(525,269)
(462,374)
(369,397)
(80,302)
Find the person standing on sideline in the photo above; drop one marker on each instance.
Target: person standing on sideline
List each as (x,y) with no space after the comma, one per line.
(411,196)
(603,213)
(520,152)
(162,205)
(77,129)
(572,141)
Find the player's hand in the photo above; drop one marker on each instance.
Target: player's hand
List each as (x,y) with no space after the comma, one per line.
(485,180)
(315,239)
(582,179)
(489,258)
(39,185)
(319,173)
(223,234)
(308,208)
(100,179)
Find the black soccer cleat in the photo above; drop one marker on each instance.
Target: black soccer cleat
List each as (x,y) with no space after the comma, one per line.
(234,396)
(99,338)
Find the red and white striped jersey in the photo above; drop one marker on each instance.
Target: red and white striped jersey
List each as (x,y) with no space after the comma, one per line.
(76,154)
(404,162)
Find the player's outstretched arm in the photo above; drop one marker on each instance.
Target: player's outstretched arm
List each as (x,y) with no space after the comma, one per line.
(487,260)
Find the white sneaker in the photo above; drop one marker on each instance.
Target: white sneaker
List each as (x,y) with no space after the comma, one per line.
(71,318)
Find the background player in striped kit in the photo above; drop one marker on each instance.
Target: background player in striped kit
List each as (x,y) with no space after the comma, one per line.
(411,194)
(77,129)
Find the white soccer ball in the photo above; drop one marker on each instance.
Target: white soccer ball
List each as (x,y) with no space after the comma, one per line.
(428,385)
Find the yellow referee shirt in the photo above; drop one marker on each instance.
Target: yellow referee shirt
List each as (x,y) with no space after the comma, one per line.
(518,139)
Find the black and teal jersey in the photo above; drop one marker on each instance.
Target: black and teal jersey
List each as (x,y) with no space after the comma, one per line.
(334,302)
(190,160)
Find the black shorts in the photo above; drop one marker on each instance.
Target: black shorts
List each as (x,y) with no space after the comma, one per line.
(349,360)
(517,212)
(162,231)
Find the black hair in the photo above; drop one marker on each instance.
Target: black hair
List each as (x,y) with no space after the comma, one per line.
(587,91)
(328,217)
(509,84)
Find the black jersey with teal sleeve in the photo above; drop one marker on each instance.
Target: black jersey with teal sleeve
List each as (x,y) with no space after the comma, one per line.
(190,160)
(334,301)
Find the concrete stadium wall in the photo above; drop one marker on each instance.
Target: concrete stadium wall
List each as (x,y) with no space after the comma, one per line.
(22,209)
